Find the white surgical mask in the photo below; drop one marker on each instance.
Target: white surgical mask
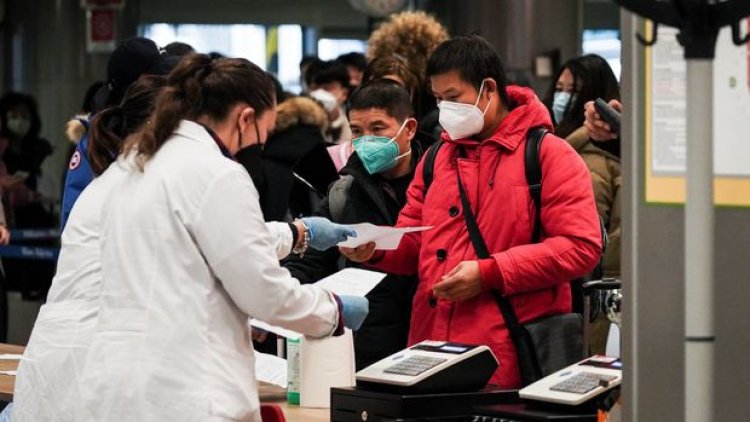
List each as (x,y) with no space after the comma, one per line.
(19,126)
(461,120)
(560,102)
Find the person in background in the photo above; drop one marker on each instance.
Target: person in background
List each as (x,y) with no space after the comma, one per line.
(372,189)
(412,36)
(391,68)
(133,58)
(177,287)
(355,64)
(579,81)
(296,169)
(397,68)
(486,124)
(179,49)
(79,124)
(308,66)
(64,329)
(23,153)
(333,78)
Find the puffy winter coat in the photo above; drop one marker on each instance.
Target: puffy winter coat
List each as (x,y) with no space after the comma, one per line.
(534,276)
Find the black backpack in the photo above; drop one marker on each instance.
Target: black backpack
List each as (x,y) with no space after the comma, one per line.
(533,170)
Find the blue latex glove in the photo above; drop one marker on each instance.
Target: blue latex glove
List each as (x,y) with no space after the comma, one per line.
(355,310)
(324,234)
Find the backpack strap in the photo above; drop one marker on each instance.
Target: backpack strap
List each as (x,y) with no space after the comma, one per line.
(428,169)
(534,176)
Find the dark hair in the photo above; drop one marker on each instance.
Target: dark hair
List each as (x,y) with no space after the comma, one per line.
(353,59)
(13,99)
(474,59)
(593,78)
(331,71)
(200,86)
(394,65)
(178,48)
(278,89)
(309,67)
(383,94)
(111,126)
(89,103)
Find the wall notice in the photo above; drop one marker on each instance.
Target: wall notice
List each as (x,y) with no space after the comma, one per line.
(666,123)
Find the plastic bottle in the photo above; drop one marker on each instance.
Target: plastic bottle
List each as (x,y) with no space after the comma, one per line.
(293,370)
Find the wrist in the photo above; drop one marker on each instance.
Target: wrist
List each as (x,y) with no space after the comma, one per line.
(303,237)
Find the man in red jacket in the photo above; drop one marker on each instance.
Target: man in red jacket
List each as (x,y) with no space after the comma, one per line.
(485,125)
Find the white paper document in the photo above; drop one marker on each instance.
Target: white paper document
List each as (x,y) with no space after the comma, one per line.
(351,282)
(271,369)
(347,282)
(385,237)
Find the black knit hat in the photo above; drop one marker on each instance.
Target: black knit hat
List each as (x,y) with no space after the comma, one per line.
(131,59)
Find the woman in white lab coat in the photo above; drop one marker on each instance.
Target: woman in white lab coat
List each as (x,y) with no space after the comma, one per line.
(186,258)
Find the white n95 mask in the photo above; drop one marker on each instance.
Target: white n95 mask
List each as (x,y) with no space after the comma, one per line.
(461,120)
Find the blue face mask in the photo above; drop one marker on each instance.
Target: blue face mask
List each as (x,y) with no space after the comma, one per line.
(379,153)
(560,103)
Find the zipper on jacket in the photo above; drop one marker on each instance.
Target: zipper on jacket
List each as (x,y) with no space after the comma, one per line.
(494,171)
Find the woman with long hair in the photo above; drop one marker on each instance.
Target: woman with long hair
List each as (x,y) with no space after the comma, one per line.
(186,258)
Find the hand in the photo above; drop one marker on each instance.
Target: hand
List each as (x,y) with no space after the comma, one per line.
(597,128)
(324,234)
(354,310)
(4,235)
(463,282)
(359,254)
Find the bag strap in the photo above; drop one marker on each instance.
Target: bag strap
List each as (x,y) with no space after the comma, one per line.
(428,169)
(511,320)
(534,176)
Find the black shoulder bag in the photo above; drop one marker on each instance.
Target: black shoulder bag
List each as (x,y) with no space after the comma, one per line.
(547,344)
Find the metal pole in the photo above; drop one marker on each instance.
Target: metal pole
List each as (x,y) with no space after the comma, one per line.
(699,244)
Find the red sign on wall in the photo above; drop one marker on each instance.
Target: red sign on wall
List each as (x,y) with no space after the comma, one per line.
(100,30)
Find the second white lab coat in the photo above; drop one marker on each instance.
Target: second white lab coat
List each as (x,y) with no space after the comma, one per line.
(194,312)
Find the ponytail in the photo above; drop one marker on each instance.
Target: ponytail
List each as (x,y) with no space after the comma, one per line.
(112,125)
(202,86)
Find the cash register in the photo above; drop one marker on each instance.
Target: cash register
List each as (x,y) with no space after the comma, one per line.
(432,379)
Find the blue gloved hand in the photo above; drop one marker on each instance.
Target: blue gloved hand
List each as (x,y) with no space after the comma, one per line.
(354,310)
(324,234)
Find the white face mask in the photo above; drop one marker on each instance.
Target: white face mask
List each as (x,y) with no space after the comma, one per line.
(19,126)
(461,120)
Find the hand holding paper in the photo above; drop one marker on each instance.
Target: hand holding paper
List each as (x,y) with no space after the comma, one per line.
(385,237)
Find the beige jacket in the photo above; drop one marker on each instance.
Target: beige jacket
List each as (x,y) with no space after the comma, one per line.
(606,176)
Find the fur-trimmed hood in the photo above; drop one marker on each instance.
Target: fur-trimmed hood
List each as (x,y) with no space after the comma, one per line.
(300,111)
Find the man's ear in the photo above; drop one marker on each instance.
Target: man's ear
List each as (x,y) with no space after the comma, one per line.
(411,128)
(490,85)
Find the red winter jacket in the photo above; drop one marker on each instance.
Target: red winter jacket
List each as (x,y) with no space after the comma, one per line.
(535,276)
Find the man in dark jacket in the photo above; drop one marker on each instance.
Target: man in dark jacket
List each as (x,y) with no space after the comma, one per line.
(373,189)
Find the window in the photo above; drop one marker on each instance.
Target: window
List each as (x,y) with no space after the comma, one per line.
(606,43)
(330,48)
(247,41)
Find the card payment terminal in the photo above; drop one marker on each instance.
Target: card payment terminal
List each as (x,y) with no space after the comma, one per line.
(431,366)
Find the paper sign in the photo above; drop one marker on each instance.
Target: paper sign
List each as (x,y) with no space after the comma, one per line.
(385,237)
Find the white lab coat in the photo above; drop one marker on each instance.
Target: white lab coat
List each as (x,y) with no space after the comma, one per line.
(179,277)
